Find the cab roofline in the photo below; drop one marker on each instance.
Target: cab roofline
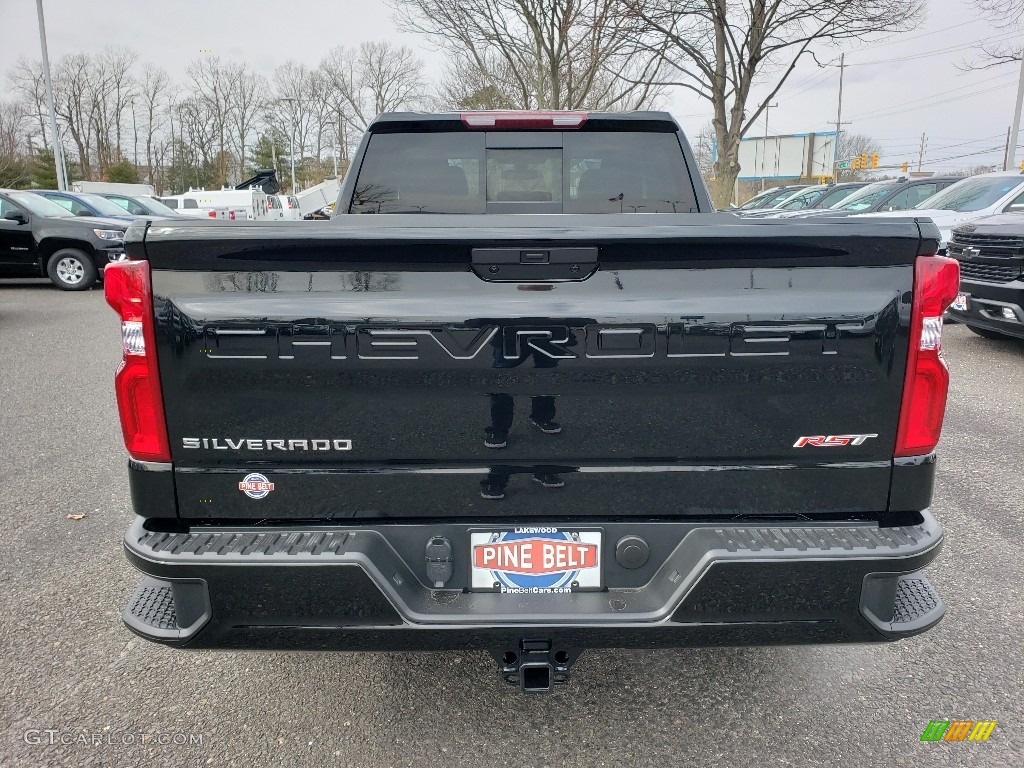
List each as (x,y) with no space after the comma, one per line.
(427,122)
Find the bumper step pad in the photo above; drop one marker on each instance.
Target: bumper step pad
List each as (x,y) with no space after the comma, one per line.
(916,599)
(916,606)
(153,605)
(168,610)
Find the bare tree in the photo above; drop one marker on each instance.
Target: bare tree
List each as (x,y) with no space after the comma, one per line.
(199,131)
(1006,15)
(212,88)
(855,145)
(13,124)
(114,92)
(466,85)
(377,77)
(719,50)
(73,89)
(290,112)
(27,79)
(247,101)
(155,94)
(547,54)
(704,150)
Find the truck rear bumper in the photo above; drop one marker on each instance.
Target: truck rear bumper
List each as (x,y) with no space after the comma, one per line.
(358,589)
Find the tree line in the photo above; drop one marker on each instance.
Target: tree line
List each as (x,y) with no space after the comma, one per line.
(121,118)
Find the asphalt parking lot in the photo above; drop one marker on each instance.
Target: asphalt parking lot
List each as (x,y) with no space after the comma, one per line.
(70,668)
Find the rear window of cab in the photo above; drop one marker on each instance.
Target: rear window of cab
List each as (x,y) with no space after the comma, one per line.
(524,172)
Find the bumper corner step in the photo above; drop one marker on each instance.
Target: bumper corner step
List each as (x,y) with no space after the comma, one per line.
(917,607)
(167,611)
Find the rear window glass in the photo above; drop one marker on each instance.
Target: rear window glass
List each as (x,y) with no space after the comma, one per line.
(189,203)
(582,172)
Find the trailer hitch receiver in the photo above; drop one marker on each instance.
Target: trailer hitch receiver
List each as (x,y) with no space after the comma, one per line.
(536,666)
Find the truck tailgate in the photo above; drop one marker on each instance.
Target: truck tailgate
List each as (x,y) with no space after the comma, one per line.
(704,367)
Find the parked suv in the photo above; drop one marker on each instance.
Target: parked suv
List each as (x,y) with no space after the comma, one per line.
(806,199)
(141,205)
(767,198)
(899,195)
(38,238)
(86,204)
(991,255)
(970,199)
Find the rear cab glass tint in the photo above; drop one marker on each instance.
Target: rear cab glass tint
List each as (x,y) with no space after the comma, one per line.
(523,172)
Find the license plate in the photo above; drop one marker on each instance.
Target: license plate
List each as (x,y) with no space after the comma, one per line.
(535,560)
(960,303)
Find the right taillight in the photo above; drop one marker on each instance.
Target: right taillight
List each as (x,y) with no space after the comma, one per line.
(936,283)
(126,285)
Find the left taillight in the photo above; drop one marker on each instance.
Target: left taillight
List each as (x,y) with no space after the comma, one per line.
(926,384)
(126,285)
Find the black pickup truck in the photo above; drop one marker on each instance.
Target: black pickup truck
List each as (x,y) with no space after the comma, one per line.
(991,255)
(527,392)
(38,238)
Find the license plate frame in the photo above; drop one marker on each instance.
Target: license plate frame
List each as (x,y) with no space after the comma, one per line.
(547,560)
(961,303)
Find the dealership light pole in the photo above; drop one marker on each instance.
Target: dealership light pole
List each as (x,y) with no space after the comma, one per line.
(58,154)
(334,146)
(1011,150)
(764,146)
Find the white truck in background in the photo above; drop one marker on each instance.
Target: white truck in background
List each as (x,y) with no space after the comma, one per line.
(318,196)
(233,204)
(113,188)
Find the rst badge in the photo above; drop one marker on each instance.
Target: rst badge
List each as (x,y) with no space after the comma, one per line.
(536,560)
(256,486)
(831,441)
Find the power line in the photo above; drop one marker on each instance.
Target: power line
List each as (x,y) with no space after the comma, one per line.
(901,40)
(944,146)
(946,92)
(940,52)
(901,110)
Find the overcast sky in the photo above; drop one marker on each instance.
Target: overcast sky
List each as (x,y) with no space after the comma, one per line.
(895,89)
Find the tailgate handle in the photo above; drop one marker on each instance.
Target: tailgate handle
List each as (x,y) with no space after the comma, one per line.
(534,264)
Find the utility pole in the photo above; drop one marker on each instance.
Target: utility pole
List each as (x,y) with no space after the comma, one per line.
(839,119)
(764,146)
(58,155)
(1006,151)
(920,152)
(1011,151)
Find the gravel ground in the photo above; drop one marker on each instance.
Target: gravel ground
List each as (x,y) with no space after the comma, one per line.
(71,671)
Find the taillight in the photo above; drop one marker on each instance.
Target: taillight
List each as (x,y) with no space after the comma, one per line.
(512,119)
(231,215)
(213,214)
(126,286)
(936,283)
